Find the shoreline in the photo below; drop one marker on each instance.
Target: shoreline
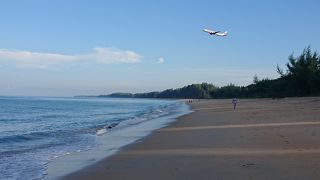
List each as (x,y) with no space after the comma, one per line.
(110,143)
(261,139)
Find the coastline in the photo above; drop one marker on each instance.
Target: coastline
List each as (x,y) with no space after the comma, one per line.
(261,139)
(111,142)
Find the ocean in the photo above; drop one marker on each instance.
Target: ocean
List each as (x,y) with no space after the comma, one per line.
(38,131)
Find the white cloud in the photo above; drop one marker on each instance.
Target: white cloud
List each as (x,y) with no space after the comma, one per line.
(44,60)
(111,56)
(160,60)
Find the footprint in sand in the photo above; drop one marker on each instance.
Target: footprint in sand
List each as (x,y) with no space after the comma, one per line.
(282,136)
(248,165)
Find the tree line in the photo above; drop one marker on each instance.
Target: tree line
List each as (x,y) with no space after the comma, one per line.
(300,78)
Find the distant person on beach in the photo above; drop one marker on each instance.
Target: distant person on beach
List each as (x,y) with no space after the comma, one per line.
(234,102)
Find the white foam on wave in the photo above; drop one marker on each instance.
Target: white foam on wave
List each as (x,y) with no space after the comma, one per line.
(101,131)
(159,110)
(153,114)
(33,164)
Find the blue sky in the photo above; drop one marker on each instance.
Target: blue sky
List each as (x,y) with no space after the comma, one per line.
(65,48)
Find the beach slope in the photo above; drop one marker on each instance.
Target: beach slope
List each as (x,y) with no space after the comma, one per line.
(261,139)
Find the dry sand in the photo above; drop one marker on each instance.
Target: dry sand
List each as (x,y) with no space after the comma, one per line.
(261,139)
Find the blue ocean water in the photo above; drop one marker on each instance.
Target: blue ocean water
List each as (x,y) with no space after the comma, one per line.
(35,131)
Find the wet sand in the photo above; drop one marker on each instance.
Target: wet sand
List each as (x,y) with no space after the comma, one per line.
(261,139)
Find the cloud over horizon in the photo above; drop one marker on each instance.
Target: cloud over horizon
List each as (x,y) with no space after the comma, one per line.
(160,60)
(102,55)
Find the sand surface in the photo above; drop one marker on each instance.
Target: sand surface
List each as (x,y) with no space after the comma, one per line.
(261,139)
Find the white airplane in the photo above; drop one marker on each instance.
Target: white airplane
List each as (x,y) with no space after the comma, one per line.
(217,33)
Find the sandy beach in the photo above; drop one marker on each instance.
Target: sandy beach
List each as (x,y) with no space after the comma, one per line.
(261,139)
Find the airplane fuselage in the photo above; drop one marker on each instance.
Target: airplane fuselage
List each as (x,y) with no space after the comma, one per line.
(218,33)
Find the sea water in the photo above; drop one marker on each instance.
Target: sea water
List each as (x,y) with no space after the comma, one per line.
(36,131)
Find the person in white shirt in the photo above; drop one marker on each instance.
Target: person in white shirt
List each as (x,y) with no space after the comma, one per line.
(234,102)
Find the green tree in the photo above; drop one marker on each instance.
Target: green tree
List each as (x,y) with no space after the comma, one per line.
(303,73)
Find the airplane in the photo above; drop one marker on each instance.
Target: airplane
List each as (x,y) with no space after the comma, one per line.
(217,33)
